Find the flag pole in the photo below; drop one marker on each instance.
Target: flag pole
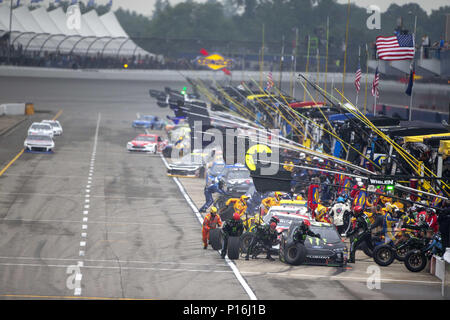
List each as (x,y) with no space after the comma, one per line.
(345,54)
(367,78)
(359,65)
(326,58)
(375,92)
(281,61)
(412,74)
(261,66)
(307,66)
(318,70)
(295,62)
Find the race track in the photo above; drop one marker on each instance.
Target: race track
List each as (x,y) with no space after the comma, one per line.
(93,221)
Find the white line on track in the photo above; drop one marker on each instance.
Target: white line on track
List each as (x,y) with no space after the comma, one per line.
(233,267)
(82,253)
(208,270)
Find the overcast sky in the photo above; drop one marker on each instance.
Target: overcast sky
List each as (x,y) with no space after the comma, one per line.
(145,7)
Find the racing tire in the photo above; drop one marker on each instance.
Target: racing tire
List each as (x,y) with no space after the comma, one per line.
(400,254)
(220,202)
(295,253)
(246,238)
(415,261)
(384,255)
(367,251)
(227,214)
(215,238)
(234,244)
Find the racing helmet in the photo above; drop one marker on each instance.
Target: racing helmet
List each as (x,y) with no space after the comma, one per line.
(278,195)
(304,225)
(422,218)
(274,219)
(236,216)
(273,225)
(213,210)
(340,200)
(244,198)
(302,156)
(357,210)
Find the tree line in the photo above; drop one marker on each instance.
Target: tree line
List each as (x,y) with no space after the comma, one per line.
(235,28)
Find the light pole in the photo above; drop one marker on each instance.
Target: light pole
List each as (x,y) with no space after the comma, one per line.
(9,36)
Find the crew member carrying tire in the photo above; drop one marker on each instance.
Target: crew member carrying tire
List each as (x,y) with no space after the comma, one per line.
(211,221)
(232,228)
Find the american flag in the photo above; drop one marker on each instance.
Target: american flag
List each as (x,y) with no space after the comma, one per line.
(376,80)
(399,47)
(358,78)
(270,82)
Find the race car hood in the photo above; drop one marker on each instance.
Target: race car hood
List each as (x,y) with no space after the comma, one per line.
(185,166)
(239,181)
(38,142)
(141,122)
(141,143)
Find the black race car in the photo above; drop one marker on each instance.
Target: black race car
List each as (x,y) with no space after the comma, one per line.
(329,250)
(236,180)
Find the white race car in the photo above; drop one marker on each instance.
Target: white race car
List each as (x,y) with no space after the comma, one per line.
(42,129)
(39,143)
(56,126)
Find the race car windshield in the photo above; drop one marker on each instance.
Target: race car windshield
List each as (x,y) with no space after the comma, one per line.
(285,221)
(41,127)
(143,138)
(328,233)
(217,168)
(239,174)
(35,138)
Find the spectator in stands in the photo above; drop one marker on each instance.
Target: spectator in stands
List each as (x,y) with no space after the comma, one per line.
(425,46)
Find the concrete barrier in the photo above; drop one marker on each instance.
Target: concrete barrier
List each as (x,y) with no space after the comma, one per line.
(12,109)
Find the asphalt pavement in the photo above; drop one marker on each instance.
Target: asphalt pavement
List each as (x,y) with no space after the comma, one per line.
(93,221)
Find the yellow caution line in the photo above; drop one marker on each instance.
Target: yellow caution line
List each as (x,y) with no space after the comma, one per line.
(64,297)
(11,162)
(57,115)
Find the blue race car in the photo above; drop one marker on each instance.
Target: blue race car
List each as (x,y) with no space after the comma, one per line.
(148,122)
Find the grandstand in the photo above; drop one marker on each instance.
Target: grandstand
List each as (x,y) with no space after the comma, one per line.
(41,31)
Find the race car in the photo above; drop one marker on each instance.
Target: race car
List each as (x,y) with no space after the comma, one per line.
(39,143)
(56,126)
(148,122)
(41,129)
(287,216)
(145,143)
(191,165)
(235,179)
(328,250)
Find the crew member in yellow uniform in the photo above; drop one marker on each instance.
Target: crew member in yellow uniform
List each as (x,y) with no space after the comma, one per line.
(239,204)
(271,201)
